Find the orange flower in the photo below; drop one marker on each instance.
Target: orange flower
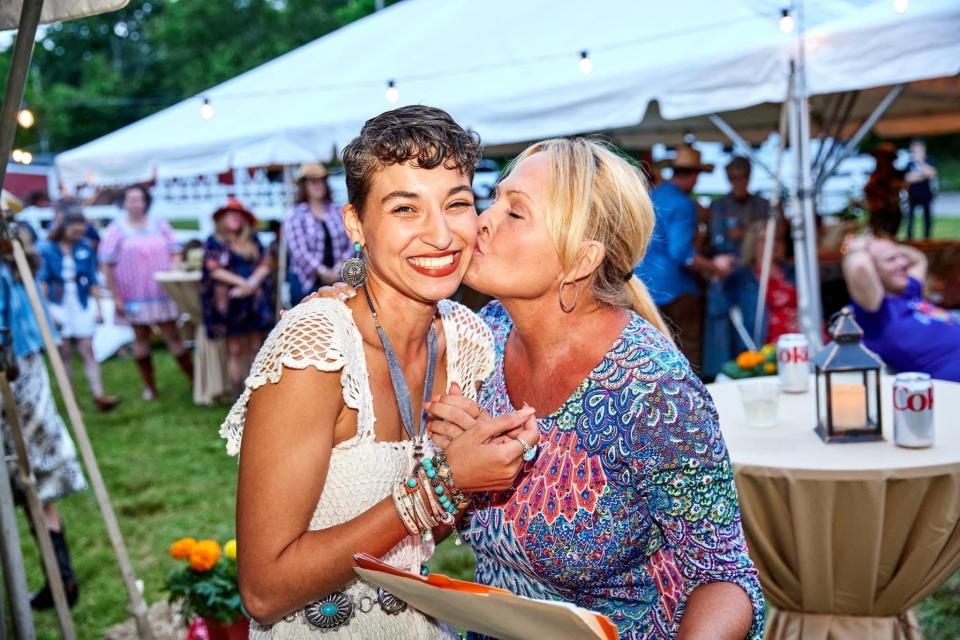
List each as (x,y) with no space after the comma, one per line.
(181,549)
(204,555)
(749,359)
(769,368)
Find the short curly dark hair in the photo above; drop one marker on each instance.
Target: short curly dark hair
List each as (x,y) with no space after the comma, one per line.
(426,137)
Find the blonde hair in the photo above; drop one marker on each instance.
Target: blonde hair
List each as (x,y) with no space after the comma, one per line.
(244,245)
(596,194)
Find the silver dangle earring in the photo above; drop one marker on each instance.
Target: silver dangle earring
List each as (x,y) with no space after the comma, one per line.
(354,270)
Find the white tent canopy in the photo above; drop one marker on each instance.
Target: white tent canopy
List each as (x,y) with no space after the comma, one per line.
(509,70)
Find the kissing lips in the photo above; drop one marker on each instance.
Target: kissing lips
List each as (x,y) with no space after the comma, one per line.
(436,265)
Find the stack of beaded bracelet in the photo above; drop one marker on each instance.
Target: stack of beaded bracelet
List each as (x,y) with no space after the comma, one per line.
(446,475)
(420,515)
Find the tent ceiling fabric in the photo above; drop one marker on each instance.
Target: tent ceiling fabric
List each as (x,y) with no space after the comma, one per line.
(57,10)
(508,69)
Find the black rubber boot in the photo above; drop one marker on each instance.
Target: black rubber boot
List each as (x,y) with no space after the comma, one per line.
(43,599)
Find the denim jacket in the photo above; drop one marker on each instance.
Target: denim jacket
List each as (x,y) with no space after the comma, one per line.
(51,270)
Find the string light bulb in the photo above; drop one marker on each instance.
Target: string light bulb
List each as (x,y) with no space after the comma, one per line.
(206,109)
(393,94)
(900,6)
(25,118)
(22,156)
(786,21)
(586,64)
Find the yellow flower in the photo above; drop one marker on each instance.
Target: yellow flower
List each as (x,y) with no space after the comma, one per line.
(769,368)
(230,549)
(180,550)
(204,555)
(768,349)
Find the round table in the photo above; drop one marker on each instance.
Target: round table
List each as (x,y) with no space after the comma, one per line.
(210,359)
(846,537)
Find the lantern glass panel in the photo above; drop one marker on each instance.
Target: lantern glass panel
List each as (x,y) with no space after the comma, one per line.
(873,402)
(848,404)
(822,416)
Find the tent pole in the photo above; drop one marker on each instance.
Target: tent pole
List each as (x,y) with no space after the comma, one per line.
(737,139)
(797,228)
(811,317)
(283,257)
(864,129)
(17,78)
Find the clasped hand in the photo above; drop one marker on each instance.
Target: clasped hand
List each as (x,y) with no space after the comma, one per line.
(483,452)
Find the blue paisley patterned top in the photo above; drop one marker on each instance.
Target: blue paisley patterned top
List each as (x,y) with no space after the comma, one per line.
(630,503)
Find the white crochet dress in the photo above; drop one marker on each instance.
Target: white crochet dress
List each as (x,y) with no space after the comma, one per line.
(321,333)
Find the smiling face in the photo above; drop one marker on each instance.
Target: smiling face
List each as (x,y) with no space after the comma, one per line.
(514,239)
(418,228)
(892,265)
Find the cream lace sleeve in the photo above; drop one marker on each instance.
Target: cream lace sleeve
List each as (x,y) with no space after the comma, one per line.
(469,347)
(317,333)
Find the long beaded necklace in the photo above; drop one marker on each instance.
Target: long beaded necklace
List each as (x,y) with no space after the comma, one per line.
(400,389)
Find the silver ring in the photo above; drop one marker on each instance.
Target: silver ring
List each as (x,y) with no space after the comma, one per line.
(529,452)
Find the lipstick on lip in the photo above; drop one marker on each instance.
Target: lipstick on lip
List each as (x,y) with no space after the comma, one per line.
(436,265)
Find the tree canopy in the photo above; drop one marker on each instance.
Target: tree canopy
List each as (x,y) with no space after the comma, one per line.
(92,76)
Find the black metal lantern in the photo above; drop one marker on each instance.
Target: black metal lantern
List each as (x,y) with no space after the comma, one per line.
(848,386)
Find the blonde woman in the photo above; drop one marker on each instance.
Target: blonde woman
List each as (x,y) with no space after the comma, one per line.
(235,291)
(628,506)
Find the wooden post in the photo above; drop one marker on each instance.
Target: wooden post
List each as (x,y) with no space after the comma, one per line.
(137,605)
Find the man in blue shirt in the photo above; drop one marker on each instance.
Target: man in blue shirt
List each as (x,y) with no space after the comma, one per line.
(672,264)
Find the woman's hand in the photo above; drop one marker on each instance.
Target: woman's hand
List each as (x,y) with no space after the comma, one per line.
(339,291)
(451,414)
(241,291)
(119,309)
(481,459)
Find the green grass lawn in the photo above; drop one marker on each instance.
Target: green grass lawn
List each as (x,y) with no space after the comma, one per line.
(168,476)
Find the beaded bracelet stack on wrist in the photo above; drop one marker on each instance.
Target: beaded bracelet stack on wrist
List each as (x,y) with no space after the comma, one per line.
(429,498)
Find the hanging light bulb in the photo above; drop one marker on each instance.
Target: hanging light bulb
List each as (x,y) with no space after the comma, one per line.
(393,94)
(900,6)
(15,155)
(25,118)
(206,109)
(786,21)
(586,64)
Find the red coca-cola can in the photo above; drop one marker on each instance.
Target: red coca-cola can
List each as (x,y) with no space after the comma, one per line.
(793,363)
(913,410)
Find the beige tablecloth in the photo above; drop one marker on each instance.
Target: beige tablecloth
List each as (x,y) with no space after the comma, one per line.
(846,537)
(210,356)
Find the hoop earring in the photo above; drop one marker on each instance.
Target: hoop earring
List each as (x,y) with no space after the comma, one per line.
(354,270)
(576,294)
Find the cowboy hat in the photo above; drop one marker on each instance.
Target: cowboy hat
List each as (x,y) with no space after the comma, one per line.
(687,158)
(310,170)
(235,205)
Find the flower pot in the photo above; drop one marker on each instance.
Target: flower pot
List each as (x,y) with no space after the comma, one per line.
(212,629)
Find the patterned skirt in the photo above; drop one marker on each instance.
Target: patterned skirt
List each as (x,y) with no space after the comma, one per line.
(50,448)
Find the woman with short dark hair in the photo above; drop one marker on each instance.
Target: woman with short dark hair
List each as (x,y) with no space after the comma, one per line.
(334,456)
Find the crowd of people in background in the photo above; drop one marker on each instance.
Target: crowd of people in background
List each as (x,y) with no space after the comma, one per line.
(703,267)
